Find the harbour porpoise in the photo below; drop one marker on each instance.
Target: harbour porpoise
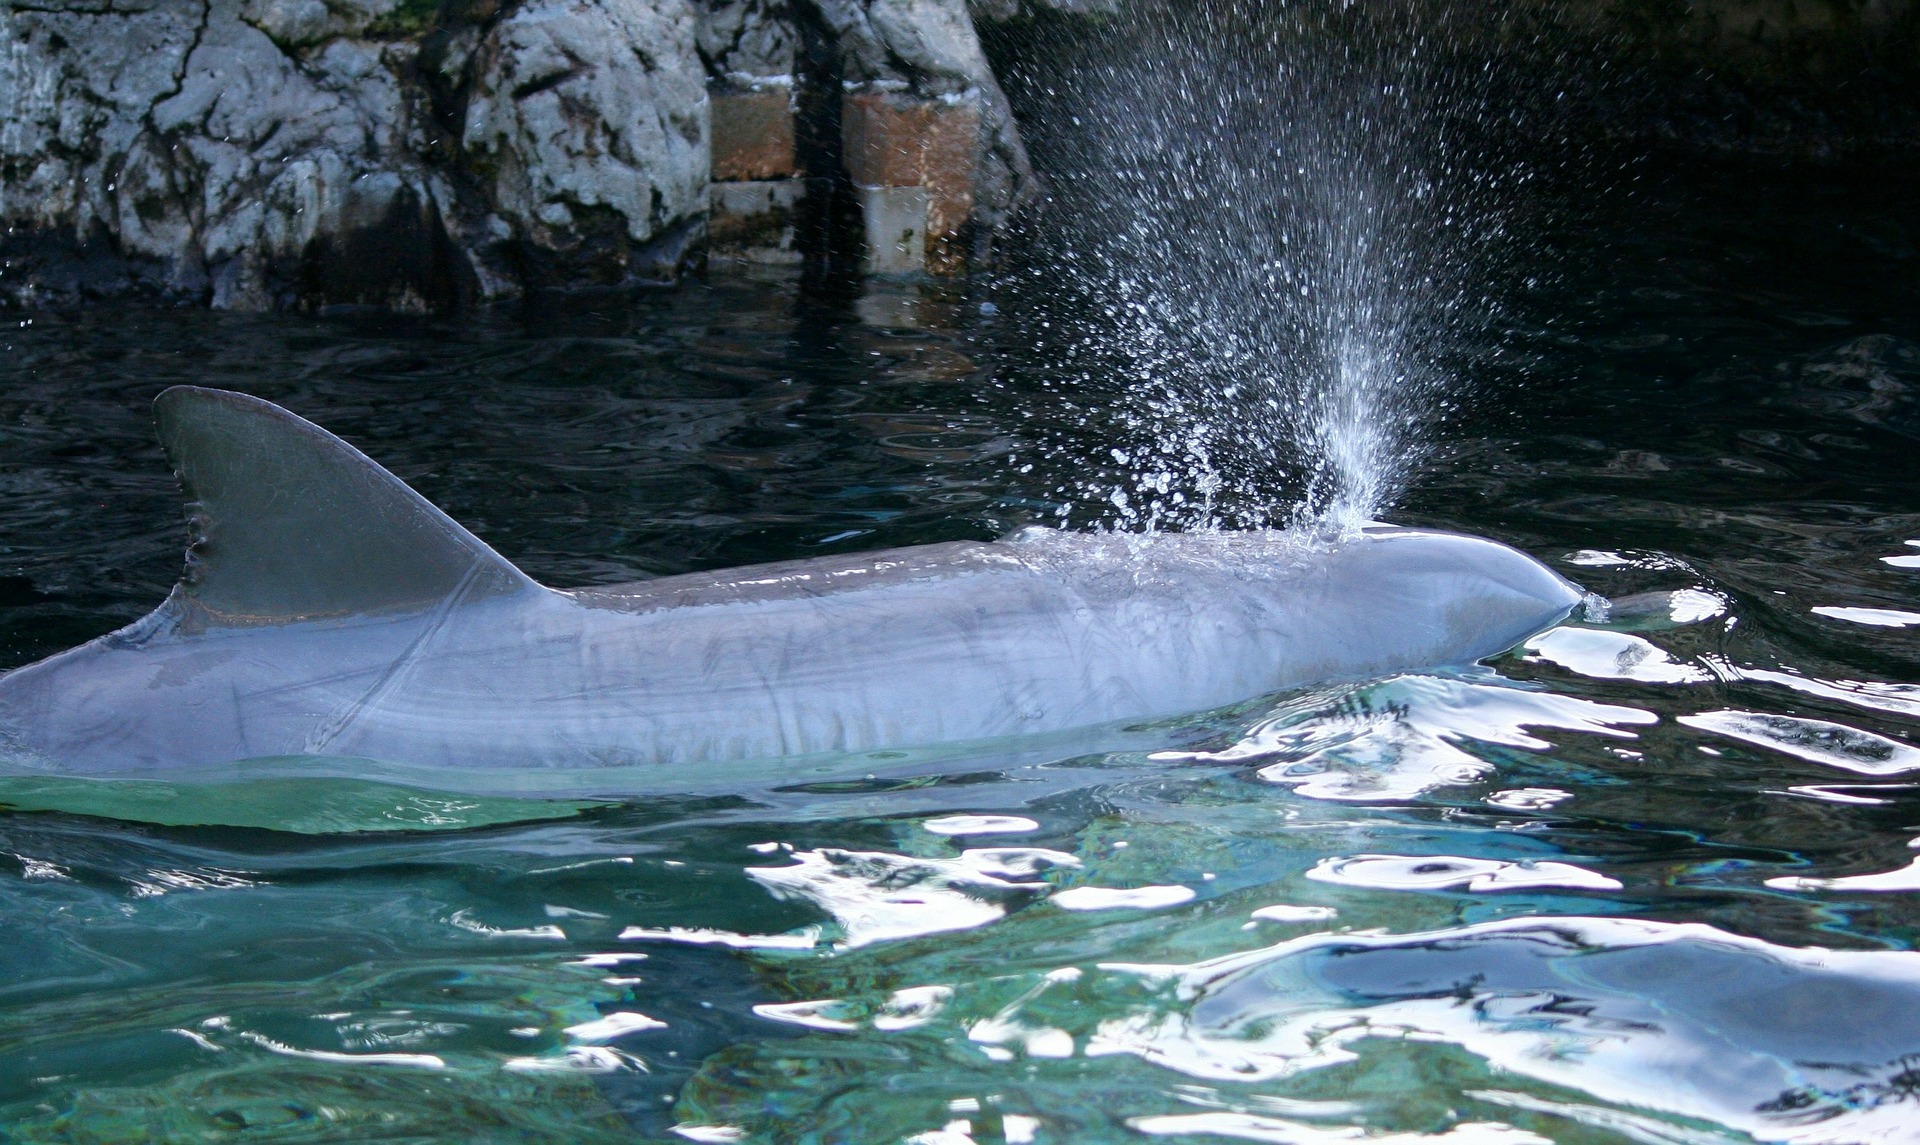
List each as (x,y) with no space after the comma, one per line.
(327,609)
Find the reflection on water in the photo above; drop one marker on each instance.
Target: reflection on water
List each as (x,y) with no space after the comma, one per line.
(1436,872)
(1649,878)
(1402,736)
(1678,1019)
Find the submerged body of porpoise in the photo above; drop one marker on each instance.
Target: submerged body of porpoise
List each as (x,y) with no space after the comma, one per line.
(329,610)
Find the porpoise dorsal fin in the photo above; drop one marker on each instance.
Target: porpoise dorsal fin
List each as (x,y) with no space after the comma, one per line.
(291,522)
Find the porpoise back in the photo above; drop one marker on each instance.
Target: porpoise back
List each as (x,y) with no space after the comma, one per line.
(328,609)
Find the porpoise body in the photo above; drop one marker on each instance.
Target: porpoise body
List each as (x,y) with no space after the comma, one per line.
(329,610)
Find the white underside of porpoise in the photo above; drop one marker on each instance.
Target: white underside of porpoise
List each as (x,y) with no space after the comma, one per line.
(330,611)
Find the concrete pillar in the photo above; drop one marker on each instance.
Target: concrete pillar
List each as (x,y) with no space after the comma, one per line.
(756,184)
(753,132)
(895,230)
(912,162)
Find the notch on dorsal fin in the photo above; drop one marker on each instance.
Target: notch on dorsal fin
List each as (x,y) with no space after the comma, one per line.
(291,522)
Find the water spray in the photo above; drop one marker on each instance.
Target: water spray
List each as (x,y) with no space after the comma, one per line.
(1269,227)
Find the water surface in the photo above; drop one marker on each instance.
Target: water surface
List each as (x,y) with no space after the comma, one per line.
(1648,879)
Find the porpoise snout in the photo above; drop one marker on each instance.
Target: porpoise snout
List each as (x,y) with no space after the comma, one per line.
(1482,596)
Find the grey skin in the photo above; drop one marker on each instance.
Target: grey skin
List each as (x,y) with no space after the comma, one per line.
(329,610)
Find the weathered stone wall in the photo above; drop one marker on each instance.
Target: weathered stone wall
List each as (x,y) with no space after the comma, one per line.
(414,154)
(882,110)
(259,153)
(586,134)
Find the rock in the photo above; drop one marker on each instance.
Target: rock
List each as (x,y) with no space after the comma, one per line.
(749,40)
(262,153)
(930,49)
(281,155)
(999,10)
(416,154)
(296,24)
(79,84)
(588,121)
(216,164)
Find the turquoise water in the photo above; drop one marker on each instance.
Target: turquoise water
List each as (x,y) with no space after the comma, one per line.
(1644,880)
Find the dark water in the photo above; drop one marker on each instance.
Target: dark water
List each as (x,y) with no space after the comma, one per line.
(1556,898)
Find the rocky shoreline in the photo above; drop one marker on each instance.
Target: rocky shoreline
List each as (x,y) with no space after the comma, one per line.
(414,155)
(424,155)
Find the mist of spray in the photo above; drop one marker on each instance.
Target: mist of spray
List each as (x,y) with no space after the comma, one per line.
(1270,226)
